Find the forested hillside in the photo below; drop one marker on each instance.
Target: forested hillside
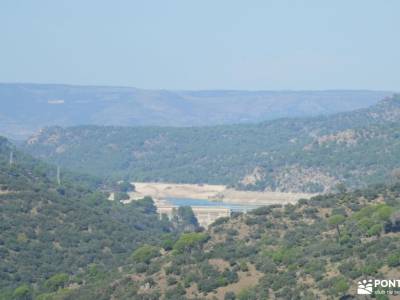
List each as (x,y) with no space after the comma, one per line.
(49,231)
(317,249)
(304,154)
(25,108)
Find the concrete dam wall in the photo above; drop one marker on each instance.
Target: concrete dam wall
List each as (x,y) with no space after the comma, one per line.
(205,215)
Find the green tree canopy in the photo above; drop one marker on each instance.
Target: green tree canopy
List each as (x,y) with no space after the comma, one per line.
(145,253)
(189,241)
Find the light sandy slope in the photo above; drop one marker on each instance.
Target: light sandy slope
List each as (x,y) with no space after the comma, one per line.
(212,192)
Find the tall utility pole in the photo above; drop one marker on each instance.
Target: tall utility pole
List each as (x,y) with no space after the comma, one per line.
(58,175)
(11,158)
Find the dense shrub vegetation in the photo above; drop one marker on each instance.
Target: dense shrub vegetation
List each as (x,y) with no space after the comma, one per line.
(318,248)
(49,232)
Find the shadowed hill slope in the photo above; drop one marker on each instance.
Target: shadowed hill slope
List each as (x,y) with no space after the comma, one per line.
(47,228)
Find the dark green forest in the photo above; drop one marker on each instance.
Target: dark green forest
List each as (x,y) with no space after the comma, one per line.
(306,154)
(50,230)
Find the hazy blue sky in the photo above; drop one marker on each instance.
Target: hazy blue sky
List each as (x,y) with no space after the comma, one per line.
(202,44)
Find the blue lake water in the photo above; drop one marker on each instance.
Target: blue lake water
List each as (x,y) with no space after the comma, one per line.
(205,202)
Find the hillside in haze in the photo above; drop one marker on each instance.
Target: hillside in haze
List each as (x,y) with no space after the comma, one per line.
(299,154)
(25,108)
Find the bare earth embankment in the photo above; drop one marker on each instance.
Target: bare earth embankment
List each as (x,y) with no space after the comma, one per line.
(161,191)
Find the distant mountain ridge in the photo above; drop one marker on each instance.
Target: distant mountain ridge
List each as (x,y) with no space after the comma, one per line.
(25,108)
(292,154)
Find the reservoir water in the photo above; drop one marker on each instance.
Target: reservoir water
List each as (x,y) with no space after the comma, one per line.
(204,202)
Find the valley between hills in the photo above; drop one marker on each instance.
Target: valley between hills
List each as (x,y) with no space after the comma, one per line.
(325,194)
(199,150)
(214,199)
